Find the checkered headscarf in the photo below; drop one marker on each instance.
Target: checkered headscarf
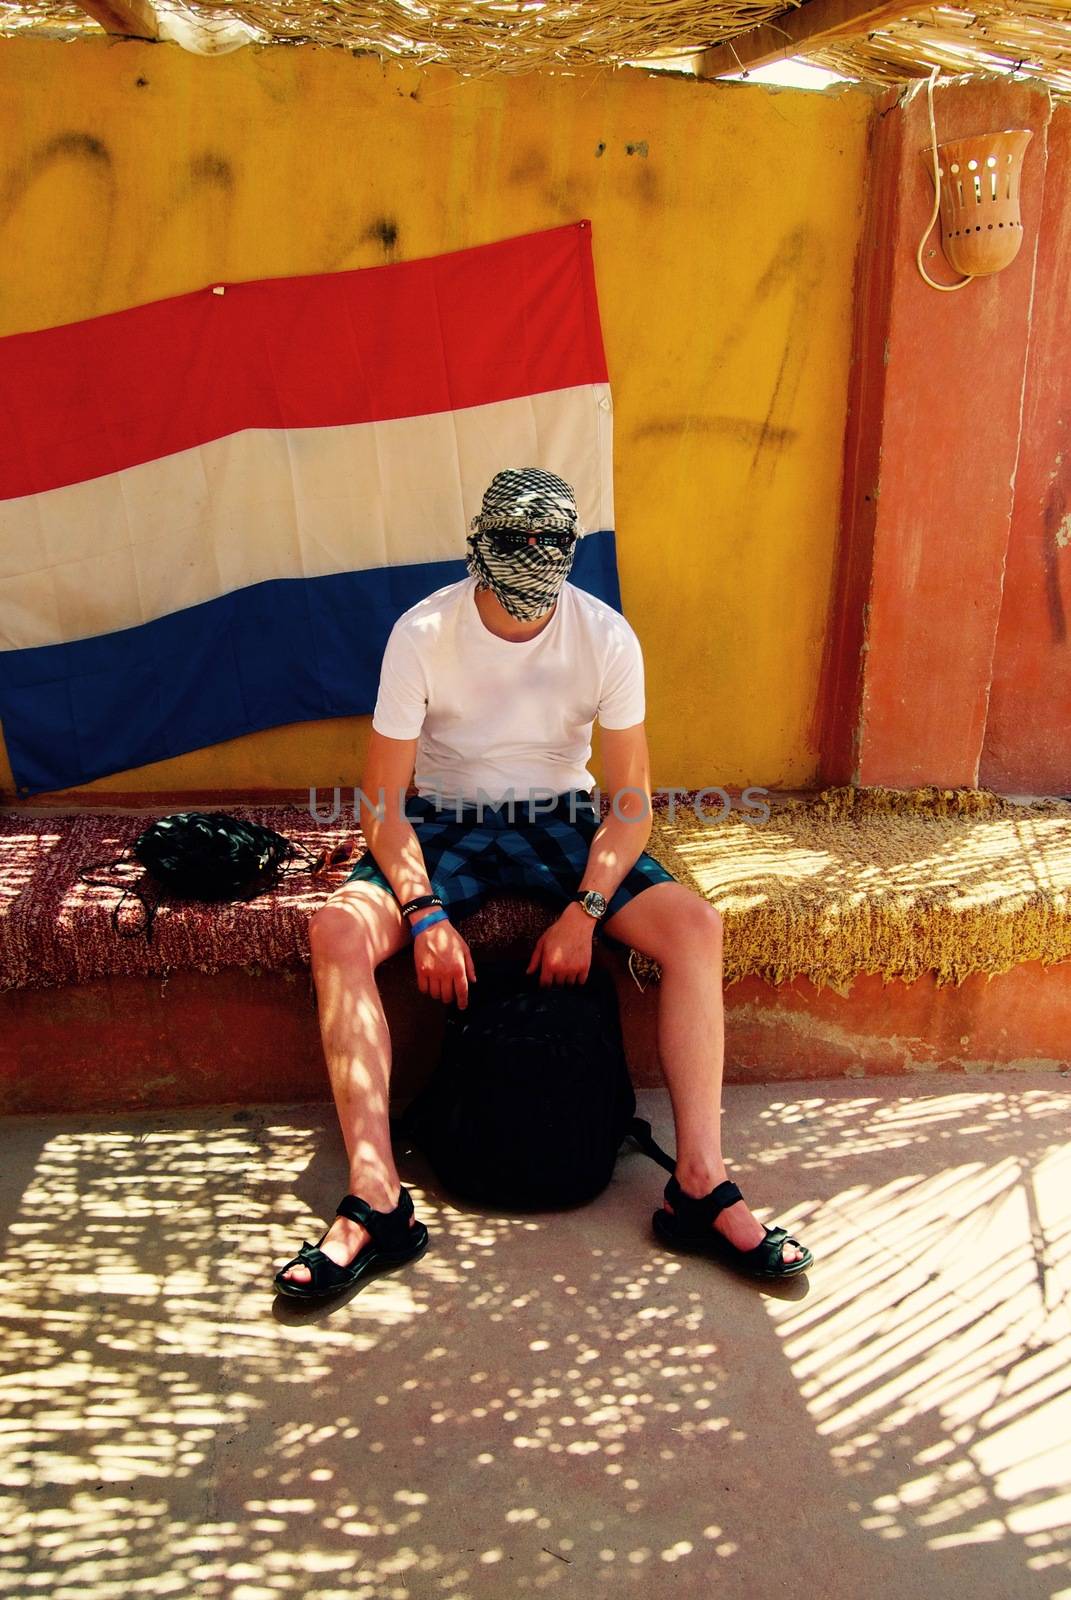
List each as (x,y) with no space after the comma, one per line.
(526,498)
(528,581)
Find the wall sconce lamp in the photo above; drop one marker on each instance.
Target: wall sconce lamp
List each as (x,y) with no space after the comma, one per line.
(976,189)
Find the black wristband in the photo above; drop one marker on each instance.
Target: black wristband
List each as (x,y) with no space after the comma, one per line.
(419,903)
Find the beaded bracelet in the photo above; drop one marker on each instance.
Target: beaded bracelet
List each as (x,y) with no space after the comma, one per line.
(426,922)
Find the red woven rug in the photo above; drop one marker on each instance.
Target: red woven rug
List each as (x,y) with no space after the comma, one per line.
(56,929)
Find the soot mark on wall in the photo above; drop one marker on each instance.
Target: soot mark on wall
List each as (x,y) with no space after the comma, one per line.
(210,168)
(644,176)
(385,231)
(743,429)
(208,181)
(795,267)
(1054,514)
(528,167)
(93,157)
(63,147)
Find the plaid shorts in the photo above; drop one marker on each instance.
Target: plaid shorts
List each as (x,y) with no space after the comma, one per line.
(544,855)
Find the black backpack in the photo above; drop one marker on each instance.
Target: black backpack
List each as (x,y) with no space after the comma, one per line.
(531,1099)
(198,855)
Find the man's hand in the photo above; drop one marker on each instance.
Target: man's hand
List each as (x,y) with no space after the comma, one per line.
(563,953)
(444,964)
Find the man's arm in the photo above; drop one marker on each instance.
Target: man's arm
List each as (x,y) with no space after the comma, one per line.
(444,964)
(622,837)
(563,953)
(388,769)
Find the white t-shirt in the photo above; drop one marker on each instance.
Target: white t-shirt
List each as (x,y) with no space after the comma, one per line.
(496,714)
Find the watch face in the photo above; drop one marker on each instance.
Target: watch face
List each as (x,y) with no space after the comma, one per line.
(595,903)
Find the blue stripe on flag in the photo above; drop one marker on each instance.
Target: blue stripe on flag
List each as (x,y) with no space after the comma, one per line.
(290,650)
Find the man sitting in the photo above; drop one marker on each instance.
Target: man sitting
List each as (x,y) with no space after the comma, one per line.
(489,689)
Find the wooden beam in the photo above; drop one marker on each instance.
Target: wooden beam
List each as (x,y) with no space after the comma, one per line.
(136,19)
(796,31)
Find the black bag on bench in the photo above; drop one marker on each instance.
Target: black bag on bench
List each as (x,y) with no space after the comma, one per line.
(531,1099)
(198,855)
(211,855)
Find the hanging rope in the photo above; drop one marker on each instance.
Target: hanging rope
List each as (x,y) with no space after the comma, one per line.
(946,288)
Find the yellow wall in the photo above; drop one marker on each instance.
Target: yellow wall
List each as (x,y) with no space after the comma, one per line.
(724,248)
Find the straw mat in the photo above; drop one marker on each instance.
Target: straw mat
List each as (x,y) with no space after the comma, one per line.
(896,882)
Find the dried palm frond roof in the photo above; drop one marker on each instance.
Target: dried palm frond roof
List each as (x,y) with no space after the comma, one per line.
(1032,37)
(863,39)
(468,35)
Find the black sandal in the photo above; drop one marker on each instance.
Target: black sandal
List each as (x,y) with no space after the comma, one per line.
(690,1227)
(394,1242)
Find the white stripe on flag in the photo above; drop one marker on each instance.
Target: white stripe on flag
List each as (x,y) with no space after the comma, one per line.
(123,549)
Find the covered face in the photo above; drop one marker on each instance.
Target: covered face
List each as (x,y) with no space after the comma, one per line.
(526,580)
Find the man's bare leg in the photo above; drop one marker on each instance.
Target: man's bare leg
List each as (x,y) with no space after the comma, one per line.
(683,933)
(357,928)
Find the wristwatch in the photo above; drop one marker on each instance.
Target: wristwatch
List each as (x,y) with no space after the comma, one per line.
(593,902)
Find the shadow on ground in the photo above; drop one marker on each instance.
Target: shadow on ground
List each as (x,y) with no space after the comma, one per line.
(553,1402)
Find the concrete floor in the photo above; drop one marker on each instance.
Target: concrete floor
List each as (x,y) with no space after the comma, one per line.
(548,1403)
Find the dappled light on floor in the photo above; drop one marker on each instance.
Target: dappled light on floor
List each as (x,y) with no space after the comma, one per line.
(932,1352)
(544,1402)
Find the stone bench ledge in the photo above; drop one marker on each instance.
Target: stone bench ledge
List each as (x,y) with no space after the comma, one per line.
(832,885)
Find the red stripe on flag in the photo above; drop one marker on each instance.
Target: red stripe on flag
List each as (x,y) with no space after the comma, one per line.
(474,326)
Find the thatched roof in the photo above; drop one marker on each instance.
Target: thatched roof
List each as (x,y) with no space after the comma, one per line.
(868,39)
(469,35)
(1034,38)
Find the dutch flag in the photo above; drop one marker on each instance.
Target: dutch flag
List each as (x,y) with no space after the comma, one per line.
(214,507)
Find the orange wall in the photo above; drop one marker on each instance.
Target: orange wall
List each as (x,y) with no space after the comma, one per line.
(945,661)
(1028,731)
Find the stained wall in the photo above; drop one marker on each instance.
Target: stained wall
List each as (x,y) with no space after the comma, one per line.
(725,223)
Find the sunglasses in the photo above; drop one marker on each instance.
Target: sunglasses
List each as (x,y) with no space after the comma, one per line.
(337,857)
(505,540)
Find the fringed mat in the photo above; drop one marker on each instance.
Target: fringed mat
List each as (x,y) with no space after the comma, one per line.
(892,881)
(56,929)
(847,881)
